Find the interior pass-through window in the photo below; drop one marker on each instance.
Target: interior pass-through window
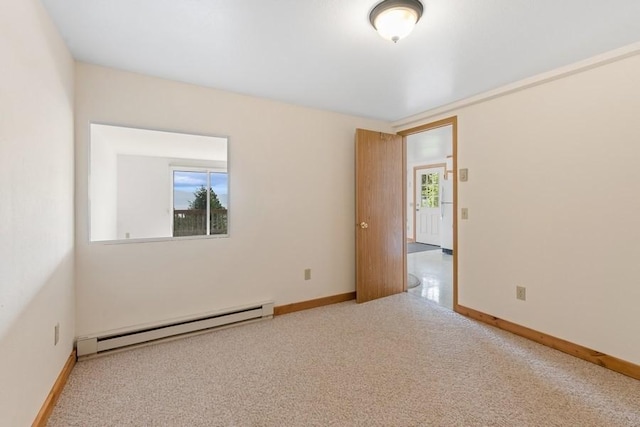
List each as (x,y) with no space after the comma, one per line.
(149,184)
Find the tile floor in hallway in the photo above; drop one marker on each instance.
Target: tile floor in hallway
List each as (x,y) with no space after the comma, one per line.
(435,271)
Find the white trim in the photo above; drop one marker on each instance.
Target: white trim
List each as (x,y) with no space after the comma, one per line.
(578,67)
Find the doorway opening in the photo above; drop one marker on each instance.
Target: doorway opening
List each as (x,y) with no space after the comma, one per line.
(431,190)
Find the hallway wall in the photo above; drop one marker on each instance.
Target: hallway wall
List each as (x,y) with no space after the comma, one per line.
(553,177)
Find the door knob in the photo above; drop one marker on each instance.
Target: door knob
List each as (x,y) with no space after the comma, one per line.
(364,225)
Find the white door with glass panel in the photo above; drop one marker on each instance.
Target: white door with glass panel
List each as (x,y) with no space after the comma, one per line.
(427,204)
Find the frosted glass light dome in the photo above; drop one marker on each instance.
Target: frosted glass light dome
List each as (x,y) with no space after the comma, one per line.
(395,19)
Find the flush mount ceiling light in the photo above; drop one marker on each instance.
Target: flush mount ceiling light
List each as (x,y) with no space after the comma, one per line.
(395,19)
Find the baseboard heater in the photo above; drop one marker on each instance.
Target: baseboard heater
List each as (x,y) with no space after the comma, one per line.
(89,345)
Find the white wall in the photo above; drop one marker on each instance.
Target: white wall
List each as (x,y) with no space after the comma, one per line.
(104,185)
(36,209)
(144,197)
(292,205)
(553,206)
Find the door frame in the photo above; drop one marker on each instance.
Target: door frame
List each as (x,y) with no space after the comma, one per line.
(453,122)
(415,170)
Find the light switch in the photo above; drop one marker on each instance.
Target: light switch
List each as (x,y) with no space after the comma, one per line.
(464,175)
(464,213)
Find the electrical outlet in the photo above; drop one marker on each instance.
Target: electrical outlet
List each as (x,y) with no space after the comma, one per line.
(56,334)
(464,213)
(521,293)
(307,274)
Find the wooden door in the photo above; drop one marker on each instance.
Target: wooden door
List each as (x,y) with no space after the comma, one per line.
(380,215)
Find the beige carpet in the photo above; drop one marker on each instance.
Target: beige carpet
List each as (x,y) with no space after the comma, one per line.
(400,361)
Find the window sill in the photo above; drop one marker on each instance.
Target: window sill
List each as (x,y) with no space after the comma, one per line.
(157,239)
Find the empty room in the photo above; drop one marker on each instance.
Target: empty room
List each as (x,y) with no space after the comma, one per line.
(312,213)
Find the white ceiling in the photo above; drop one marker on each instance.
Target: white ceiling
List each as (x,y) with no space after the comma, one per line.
(325,54)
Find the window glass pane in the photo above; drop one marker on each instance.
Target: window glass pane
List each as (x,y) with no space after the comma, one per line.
(189,203)
(430,190)
(433,190)
(423,190)
(219,197)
